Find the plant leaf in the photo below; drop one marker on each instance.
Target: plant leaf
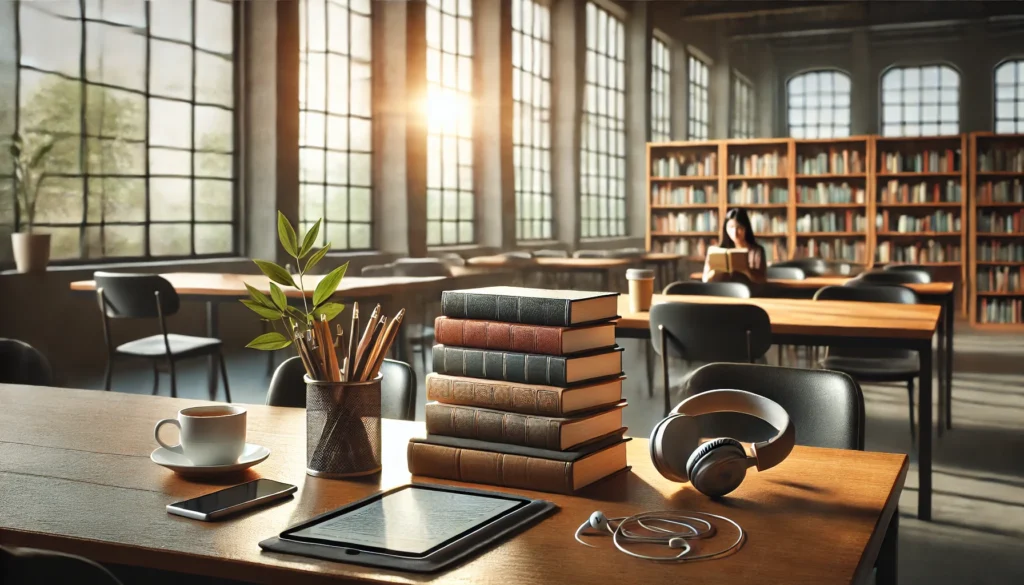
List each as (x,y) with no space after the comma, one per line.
(40,154)
(316,257)
(276,295)
(270,341)
(326,287)
(276,273)
(330,310)
(296,314)
(286,233)
(259,298)
(262,311)
(310,239)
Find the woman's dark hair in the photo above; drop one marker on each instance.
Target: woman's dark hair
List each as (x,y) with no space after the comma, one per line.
(743,219)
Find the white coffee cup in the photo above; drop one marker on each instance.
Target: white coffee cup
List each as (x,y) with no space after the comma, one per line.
(210,435)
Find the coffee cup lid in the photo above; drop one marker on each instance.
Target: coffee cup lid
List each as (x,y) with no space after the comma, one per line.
(639,273)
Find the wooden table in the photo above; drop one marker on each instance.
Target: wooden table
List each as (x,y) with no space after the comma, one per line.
(836,323)
(75,476)
(600,266)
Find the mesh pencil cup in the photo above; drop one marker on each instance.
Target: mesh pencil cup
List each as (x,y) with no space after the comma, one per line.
(343,428)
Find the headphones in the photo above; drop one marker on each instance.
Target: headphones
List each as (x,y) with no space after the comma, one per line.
(671,528)
(718,466)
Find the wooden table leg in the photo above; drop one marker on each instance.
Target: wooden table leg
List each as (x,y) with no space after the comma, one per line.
(887,564)
(950,318)
(925,426)
(212,326)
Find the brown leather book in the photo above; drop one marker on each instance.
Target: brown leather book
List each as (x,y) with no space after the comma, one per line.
(523,398)
(542,432)
(523,338)
(515,471)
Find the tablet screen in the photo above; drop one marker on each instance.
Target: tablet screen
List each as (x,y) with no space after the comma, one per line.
(412,521)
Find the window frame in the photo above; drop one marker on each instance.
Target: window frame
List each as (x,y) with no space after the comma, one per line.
(920,103)
(84,136)
(1018,95)
(695,57)
(818,126)
(746,117)
(666,97)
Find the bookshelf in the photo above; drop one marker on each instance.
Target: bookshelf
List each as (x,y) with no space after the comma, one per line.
(997,230)
(685,202)
(758,179)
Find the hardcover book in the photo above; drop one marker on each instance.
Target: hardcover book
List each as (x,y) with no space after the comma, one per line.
(523,338)
(529,306)
(523,398)
(543,432)
(727,259)
(527,368)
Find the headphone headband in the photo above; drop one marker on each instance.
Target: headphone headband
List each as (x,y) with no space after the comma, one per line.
(768,453)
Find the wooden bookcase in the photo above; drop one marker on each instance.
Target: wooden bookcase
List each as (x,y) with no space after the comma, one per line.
(997,194)
(758,178)
(685,196)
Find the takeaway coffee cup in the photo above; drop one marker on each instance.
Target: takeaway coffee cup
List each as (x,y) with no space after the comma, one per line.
(210,435)
(641,289)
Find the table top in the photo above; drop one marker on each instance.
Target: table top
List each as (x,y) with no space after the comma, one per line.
(808,317)
(816,282)
(75,476)
(233,285)
(557,263)
(662,257)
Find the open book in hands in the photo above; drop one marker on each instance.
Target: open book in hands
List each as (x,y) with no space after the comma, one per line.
(728,259)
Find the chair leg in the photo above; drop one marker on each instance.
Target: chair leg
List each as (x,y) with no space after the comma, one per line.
(156,378)
(224,376)
(108,374)
(910,401)
(174,379)
(649,355)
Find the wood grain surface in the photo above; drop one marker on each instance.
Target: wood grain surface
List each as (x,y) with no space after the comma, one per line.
(567,264)
(808,317)
(816,282)
(75,476)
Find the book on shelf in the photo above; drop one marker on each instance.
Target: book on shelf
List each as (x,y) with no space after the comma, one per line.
(996,222)
(823,193)
(768,223)
(896,191)
(1000,251)
(1001,311)
(769,164)
(503,336)
(836,162)
(727,259)
(1000,279)
(515,466)
(936,222)
(1001,159)
(542,432)
(530,306)
(930,252)
(848,220)
(776,250)
(836,249)
(684,164)
(683,195)
(685,221)
(524,398)
(759,193)
(928,161)
(689,247)
(1004,191)
(527,368)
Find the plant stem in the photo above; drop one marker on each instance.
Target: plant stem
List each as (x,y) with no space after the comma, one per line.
(302,287)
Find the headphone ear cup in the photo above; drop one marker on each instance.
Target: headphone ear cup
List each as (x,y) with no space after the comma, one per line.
(672,441)
(717,467)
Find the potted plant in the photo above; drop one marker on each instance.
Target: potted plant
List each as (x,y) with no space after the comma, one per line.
(31,250)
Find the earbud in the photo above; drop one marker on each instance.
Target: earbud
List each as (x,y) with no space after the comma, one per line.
(599,521)
(677,543)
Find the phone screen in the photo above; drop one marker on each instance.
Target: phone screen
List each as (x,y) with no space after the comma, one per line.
(233,496)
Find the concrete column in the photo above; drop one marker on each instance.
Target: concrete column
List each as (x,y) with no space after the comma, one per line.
(568,58)
(720,90)
(766,94)
(976,82)
(416,125)
(494,179)
(638,104)
(8,113)
(680,80)
(392,109)
(864,114)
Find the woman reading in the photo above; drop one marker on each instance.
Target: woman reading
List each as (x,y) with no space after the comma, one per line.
(737,233)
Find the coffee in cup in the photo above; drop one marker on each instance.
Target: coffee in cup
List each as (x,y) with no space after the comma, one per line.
(210,435)
(641,289)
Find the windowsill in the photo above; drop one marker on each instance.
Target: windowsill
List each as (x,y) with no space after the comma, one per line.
(91,267)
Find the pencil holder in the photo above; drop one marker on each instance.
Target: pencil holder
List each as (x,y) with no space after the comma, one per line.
(343,428)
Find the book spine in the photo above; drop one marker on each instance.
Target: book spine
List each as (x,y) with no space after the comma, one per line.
(507,309)
(496,395)
(498,336)
(545,370)
(473,466)
(497,427)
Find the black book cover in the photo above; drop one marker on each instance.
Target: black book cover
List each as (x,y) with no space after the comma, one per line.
(516,305)
(524,368)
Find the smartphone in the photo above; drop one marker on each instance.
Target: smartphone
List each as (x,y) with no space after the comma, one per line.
(232,500)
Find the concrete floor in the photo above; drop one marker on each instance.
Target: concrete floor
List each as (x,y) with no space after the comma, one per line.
(977,534)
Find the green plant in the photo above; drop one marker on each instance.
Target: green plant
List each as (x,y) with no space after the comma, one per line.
(275,308)
(29,174)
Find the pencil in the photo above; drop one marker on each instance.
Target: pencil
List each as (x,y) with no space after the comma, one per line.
(375,351)
(328,345)
(352,341)
(364,341)
(364,358)
(388,339)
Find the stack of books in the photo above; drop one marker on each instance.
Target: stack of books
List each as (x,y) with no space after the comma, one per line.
(526,390)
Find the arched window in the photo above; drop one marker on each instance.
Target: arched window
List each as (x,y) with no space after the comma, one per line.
(818,104)
(1010,97)
(920,101)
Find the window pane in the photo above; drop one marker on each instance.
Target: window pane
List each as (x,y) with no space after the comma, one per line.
(818,104)
(1009,99)
(911,101)
(661,102)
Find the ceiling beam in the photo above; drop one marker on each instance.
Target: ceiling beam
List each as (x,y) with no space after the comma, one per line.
(752,9)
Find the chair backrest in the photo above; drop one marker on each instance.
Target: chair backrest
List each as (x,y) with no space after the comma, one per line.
(590,254)
(904,267)
(866,292)
(379,270)
(452,259)
(736,290)
(28,566)
(551,254)
(810,266)
(896,277)
(517,255)
(785,273)
(398,388)
(710,333)
(133,296)
(627,253)
(421,267)
(826,407)
(20,363)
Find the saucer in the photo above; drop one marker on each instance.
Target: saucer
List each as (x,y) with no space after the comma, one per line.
(178,463)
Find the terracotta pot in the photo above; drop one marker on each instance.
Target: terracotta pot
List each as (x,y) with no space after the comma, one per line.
(31,251)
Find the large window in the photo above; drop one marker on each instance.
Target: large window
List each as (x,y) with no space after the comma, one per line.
(1010,97)
(450,122)
(920,101)
(335,130)
(699,111)
(138,98)
(603,157)
(531,94)
(661,99)
(742,108)
(818,105)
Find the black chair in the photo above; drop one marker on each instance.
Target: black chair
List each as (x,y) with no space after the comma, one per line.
(874,364)
(551,254)
(785,273)
(30,566)
(149,296)
(450,259)
(397,387)
(20,363)
(517,255)
(905,267)
(736,290)
(590,254)
(810,266)
(897,277)
(826,407)
(708,333)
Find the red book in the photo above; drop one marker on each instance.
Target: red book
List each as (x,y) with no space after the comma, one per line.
(535,339)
